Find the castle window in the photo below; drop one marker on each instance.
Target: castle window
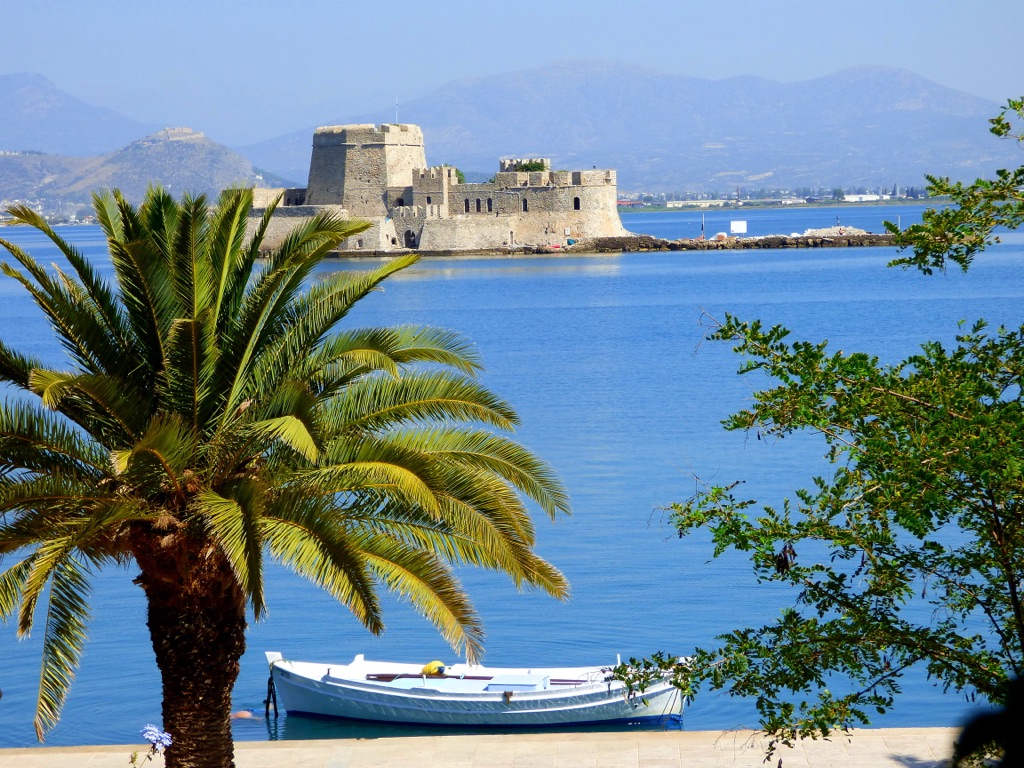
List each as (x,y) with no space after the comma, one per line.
(490,205)
(575,203)
(400,201)
(526,205)
(428,199)
(467,205)
(359,243)
(478,205)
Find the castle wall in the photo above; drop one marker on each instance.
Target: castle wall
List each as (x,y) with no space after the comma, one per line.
(264,196)
(586,210)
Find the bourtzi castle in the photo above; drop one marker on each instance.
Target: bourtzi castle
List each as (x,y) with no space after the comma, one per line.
(380,173)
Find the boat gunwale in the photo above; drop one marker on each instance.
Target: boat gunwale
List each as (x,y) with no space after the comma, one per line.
(595,689)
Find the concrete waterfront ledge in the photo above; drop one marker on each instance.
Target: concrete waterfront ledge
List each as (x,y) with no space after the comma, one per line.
(867,748)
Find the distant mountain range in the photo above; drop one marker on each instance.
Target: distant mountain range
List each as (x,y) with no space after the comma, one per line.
(36,115)
(870,126)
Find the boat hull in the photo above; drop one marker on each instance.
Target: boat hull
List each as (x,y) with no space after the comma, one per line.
(335,691)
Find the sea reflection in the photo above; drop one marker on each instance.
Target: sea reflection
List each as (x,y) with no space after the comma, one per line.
(488,267)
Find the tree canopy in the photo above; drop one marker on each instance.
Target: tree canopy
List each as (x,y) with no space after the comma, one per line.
(215,414)
(909,550)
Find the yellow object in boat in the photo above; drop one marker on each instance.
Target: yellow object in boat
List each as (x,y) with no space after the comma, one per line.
(433,668)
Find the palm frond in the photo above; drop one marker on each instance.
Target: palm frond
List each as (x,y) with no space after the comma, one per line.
(142,267)
(63,641)
(230,266)
(313,239)
(160,211)
(233,519)
(37,509)
(346,356)
(80,327)
(188,385)
(329,300)
(498,455)
(255,245)
(291,431)
(98,290)
(473,529)
(156,464)
(276,294)
(106,208)
(37,440)
(191,267)
(424,581)
(378,403)
(15,367)
(117,409)
(376,477)
(11,583)
(311,536)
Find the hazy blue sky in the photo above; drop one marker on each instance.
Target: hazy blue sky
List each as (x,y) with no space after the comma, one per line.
(246,71)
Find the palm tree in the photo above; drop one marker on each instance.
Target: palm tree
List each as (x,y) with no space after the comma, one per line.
(214,415)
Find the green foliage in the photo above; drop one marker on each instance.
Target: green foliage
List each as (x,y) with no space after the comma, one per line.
(527,167)
(959,232)
(213,413)
(641,674)
(909,551)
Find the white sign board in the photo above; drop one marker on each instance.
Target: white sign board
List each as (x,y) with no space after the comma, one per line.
(737,227)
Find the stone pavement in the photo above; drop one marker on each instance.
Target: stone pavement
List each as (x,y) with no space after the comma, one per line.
(882,748)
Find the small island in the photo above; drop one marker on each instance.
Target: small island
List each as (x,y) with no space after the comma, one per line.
(379,173)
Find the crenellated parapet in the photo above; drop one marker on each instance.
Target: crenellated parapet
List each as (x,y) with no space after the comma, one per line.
(604,177)
(513,164)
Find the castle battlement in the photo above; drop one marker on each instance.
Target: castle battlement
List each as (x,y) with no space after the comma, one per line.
(368,134)
(515,163)
(594,178)
(438,172)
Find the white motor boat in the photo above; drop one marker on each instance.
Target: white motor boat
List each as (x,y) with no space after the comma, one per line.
(466,695)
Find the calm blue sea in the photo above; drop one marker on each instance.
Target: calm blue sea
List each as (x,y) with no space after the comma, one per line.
(604,359)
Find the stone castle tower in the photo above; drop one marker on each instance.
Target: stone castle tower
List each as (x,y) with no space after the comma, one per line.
(354,166)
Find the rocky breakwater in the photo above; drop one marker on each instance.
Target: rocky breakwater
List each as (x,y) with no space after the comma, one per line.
(832,237)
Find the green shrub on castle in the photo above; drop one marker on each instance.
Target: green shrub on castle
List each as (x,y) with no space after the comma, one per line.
(533,165)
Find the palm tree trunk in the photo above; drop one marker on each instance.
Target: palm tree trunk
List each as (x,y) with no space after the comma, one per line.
(196,619)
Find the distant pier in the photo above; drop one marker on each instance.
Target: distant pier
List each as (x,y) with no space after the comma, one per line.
(634,243)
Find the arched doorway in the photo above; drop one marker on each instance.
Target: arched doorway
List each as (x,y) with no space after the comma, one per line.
(410,239)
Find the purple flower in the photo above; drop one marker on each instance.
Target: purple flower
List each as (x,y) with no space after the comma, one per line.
(159,739)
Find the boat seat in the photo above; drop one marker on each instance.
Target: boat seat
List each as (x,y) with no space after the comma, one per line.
(518,683)
(446,684)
